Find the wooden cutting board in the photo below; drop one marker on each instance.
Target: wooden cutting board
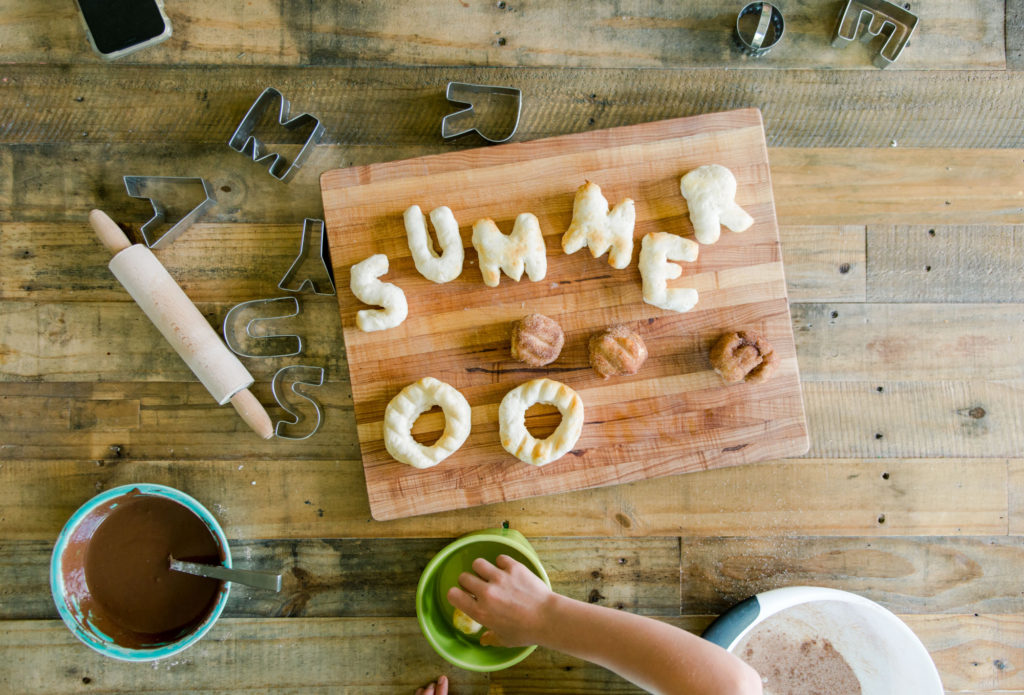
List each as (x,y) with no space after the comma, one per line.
(675,416)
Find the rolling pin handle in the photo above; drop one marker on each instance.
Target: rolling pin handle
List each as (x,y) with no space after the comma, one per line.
(253,413)
(108,232)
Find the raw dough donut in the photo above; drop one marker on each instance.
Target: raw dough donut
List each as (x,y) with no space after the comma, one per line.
(411,402)
(512,421)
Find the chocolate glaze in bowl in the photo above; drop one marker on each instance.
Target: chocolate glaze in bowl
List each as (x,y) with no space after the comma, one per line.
(111,580)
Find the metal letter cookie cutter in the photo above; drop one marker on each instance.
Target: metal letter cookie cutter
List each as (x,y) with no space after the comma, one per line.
(234,318)
(136,187)
(310,376)
(313,237)
(877,15)
(759,28)
(242,140)
(462,122)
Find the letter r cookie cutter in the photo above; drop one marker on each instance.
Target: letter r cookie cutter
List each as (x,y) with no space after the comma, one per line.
(466,94)
(243,140)
(136,187)
(877,16)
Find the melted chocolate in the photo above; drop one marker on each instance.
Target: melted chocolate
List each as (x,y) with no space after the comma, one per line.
(131,593)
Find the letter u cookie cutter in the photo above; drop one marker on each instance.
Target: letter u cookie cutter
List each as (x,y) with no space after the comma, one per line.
(231,320)
(243,140)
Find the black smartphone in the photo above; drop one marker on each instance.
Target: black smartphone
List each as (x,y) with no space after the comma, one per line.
(119,27)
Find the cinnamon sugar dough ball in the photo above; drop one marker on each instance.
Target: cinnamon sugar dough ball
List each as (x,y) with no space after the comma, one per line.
(617,350)
(537,340)
(744,356)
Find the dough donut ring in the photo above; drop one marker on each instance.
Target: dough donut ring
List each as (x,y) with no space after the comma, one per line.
(411,402)
(512,421)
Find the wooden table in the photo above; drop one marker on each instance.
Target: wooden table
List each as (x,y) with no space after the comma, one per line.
(900,197)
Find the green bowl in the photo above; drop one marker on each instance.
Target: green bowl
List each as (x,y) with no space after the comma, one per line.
(434,612)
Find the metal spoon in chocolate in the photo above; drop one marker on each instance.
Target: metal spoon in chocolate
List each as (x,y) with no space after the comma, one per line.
(261,580)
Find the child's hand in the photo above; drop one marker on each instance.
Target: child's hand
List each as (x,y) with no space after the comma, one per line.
(439,687)
(508,599)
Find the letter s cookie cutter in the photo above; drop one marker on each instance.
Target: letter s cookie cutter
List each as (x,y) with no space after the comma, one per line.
(305,375)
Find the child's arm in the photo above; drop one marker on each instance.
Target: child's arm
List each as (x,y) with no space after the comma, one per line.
(518,609)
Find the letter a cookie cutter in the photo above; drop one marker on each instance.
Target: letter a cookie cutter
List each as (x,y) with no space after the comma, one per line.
(466,94)
(313,238)
(243,140)
(878,16)
(136,187)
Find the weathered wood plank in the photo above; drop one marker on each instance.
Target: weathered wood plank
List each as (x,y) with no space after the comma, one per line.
(177,421)
(822,264)
(953,35)
(377,578)
(348,578)
(898,186)
(906,575)
(59,262)
(113,341)
(811,186)
(86,341)
(327,499)
(860,342)
(806,108)
(226,262)
(972,652)
(1015,483)
(922,263)
(896,418)
(1014,34)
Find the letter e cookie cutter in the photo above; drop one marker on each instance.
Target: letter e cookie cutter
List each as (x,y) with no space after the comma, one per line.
(243,140)
(136,186)
(878,16)
(464,121)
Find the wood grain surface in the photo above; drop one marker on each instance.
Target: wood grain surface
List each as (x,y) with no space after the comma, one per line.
(674,416)
(900,201)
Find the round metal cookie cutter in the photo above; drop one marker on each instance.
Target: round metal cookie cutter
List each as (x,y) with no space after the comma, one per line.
(759,27)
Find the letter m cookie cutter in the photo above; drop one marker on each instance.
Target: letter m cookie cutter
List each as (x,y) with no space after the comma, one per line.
(879,16)
(243,140)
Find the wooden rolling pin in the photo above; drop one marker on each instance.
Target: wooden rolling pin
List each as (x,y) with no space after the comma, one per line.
(177,318)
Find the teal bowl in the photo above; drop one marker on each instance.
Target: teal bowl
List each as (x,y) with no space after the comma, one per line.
(434,612)
(70,591)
